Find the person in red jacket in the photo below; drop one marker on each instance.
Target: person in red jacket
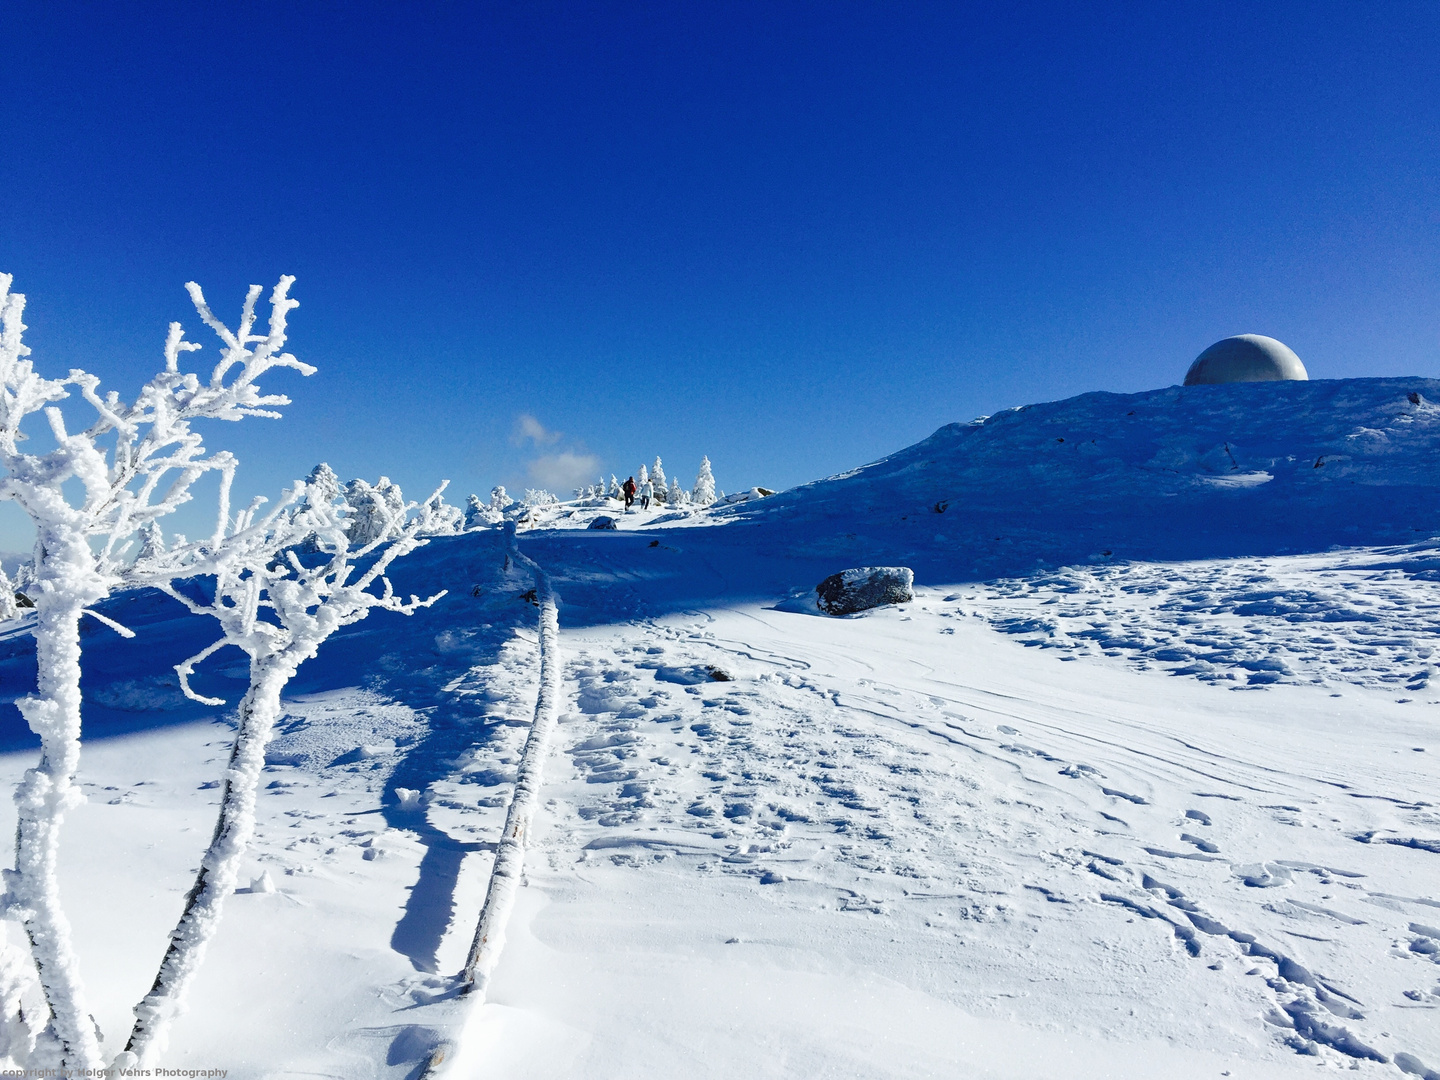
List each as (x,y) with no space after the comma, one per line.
(628,488)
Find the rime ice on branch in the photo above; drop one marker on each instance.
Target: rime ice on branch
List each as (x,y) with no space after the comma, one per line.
(283,584)
(135,462)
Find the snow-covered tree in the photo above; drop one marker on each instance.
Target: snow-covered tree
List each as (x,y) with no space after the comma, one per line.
(322,484)
(278,609)
(657,477)
(614,491)
(377,511)
(499,501)
(132,463)
(643,476)
(476,515)
(537,497)
(152,540)
(8,608)
(704,491)
(444,518)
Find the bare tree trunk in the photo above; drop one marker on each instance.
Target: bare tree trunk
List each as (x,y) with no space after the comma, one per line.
(221,864)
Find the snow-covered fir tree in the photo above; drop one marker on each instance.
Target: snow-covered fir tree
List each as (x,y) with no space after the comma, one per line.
(444,518)
(322,484)
(657,477)
(476,514)
(152,541)
(8,608)
(614,492)
(703,493)
(376,511)
(499,501)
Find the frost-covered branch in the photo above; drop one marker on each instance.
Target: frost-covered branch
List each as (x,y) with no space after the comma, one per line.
(135,462)
(283,585)
(510,853)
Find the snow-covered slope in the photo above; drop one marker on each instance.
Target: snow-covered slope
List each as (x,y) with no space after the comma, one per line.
(1190,832)
(1183,472)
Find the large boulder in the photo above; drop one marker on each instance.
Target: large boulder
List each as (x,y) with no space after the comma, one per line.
(602,523)
(865,587)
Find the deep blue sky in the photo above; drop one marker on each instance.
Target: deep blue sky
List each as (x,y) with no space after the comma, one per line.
(791,236)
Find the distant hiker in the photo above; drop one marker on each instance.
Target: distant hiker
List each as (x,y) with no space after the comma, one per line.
(628,490)
(647,492)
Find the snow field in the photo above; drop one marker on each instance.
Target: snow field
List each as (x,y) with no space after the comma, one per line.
(1368,618)
(897,844)
(889,845)
(1014,848)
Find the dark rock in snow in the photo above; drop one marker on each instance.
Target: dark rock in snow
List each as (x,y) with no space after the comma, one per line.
(602,523)
(691,676)
(865,587)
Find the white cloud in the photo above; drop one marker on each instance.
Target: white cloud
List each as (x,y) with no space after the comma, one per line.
(527,428)
(563,472)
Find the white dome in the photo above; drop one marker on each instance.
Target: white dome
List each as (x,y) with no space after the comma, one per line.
(1245,358)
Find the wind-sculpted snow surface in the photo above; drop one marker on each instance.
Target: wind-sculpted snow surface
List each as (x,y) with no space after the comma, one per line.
(1371,618)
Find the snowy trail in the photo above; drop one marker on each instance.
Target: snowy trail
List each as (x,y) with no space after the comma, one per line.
(508,865)
(1192,856)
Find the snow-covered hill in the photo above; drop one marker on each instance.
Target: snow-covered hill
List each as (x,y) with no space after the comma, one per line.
(1141,784)
(1183,472)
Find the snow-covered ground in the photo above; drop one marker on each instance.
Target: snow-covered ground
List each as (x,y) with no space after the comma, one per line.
(1128,789)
